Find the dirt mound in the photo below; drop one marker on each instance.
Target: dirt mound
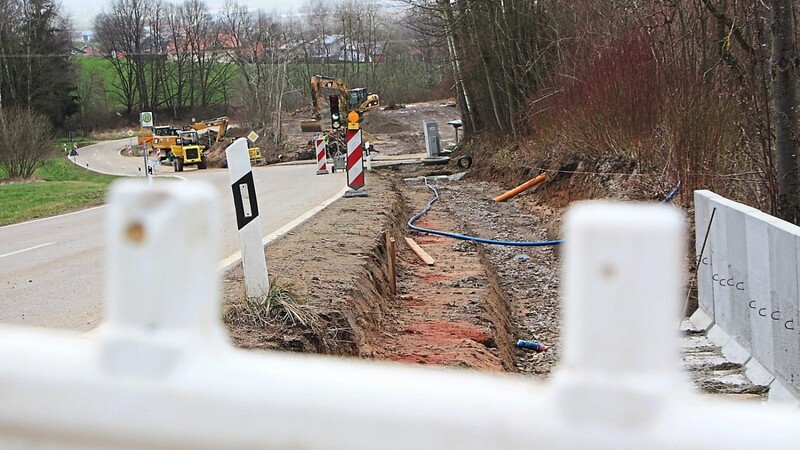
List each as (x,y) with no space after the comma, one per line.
(380,122)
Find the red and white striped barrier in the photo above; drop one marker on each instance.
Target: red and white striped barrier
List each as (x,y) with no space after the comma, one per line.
(355,161)
(322,157)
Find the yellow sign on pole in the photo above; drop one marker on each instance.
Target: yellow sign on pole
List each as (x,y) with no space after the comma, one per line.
(352,125)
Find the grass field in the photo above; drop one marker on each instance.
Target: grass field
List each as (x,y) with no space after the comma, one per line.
(59,187)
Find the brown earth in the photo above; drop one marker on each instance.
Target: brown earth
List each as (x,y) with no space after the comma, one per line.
(467,310)
(471,306)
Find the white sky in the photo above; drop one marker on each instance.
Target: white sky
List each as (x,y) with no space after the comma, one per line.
(83,11)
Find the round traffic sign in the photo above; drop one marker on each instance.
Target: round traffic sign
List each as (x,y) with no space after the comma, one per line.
(352,116)
(147,117)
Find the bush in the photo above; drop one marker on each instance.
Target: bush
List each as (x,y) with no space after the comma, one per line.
(26,140)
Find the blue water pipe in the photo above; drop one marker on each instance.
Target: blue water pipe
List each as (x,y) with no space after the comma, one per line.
(531,345)
(411,225)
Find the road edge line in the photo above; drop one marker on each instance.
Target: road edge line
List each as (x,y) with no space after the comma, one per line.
(228,263)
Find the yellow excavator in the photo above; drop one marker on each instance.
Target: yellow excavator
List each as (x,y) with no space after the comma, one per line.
(357,99)
(210,131)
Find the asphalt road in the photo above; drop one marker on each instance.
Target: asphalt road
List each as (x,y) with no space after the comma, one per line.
(52,270)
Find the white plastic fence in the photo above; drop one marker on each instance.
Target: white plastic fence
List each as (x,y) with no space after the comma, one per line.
(161,373)
(747,286)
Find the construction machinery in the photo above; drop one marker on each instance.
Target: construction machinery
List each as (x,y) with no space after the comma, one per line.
(188,151)
(357,99)
(210,131)
(164,137)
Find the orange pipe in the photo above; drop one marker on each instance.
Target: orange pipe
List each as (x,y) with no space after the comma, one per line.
(521,188)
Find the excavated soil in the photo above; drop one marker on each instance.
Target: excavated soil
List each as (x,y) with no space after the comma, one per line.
(453,313)
(470,307)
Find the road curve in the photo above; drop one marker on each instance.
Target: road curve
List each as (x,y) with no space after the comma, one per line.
(52,270)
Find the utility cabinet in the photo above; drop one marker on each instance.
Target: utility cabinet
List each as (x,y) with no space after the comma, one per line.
(431,137)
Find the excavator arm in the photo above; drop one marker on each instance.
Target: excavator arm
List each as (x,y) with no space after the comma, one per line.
(349,100)
(321,81)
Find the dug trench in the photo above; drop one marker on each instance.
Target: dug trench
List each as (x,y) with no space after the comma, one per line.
(471,306)
(466,310)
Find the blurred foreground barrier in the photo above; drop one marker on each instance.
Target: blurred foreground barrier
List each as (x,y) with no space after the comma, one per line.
(747,290)
(161,374)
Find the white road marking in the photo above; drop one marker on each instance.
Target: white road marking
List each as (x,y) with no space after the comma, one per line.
(228,263)
(27,249)
(53,217)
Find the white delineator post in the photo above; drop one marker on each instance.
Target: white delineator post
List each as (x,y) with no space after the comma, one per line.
(254,261)
(322,157)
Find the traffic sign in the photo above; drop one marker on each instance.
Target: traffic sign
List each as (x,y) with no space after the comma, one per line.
(130,133)
(146,119)
(352,120)
(253,136)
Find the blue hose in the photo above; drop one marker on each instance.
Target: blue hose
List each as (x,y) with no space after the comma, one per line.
(462,237)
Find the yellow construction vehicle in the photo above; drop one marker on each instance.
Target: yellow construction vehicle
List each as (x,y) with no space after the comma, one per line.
(210,131)
(188,151)
(164,137)
(357,99)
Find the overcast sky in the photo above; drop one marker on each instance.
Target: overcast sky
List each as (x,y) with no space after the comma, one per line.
(83,11)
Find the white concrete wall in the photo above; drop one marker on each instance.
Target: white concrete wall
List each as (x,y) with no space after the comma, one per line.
(160,373)
(749,291)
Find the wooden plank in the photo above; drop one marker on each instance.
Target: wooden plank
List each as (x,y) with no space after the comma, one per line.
(423,255)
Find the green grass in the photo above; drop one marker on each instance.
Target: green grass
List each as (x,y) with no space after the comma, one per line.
(398,81)
(60,187)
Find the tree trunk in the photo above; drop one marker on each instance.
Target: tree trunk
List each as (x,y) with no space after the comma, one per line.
(455,58)
(784,97)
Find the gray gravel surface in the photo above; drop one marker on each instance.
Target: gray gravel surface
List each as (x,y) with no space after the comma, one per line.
(528,276)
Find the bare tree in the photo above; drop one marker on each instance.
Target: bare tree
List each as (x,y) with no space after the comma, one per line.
(25,142)
(131,37)
(783,65)
(259,52)
(35,67)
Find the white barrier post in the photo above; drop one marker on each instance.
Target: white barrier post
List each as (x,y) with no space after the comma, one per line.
(613,291)
(322,157)
(143,335)
(244,197)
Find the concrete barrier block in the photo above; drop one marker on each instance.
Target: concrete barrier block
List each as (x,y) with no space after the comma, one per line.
(718,336)
(781,394)
(736,352)
(759,288)
(735,282)
(701,320)
(718,251)
(757,373)
(782,313)
(702,215)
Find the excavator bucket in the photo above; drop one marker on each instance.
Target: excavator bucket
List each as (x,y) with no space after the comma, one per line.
(310,125)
